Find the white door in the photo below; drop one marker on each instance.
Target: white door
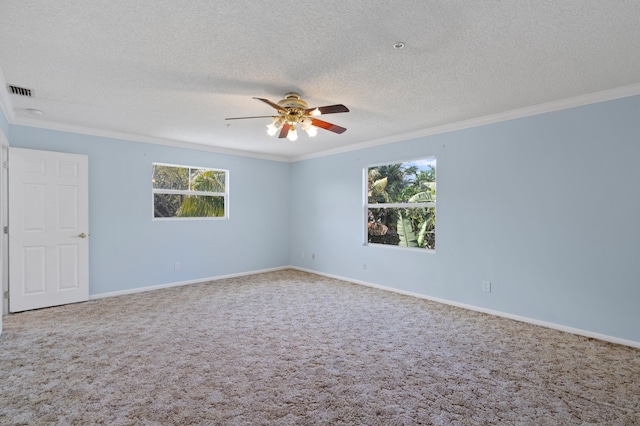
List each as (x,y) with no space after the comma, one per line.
(48,229)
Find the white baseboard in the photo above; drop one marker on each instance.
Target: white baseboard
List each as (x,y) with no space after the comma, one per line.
(534,321)
(181,283)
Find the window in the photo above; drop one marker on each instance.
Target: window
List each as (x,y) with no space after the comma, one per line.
(400,207)
(184,191)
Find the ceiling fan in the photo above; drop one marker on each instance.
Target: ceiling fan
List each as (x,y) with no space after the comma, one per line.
(291,111)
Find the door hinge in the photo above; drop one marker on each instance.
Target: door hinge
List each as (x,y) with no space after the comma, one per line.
(6,294)
(6,229)
(5,164)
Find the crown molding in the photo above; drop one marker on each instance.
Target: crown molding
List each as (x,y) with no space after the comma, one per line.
(7,110)
(591,98)
(89,131)
(577,101)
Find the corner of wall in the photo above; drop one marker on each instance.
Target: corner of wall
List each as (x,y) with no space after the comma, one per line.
(4,260)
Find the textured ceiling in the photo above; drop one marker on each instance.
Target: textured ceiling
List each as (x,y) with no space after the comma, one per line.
(163,70)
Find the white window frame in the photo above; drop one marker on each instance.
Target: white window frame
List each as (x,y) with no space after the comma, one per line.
(367,205)
(225,194)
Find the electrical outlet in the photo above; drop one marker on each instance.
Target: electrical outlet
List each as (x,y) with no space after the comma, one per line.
(313,256)
(364,266)
(486,286)
(177,266)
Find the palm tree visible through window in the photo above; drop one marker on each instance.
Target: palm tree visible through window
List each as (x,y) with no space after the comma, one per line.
(184,191)
(401,204)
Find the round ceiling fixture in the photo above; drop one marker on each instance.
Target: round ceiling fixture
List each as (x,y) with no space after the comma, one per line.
(35,112)
(398,45)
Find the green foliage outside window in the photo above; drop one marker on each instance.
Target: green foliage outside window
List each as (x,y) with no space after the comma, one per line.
(188,191)
(401,204)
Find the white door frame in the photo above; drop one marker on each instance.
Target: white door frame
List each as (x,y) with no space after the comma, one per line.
(4,248)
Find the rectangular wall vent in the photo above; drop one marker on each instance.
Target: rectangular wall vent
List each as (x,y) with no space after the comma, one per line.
(21,91)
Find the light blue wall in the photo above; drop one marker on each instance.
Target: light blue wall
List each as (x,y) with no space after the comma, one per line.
(546,207)
(128,250)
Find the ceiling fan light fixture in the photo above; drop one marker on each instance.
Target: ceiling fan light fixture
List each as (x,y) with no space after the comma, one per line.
(293,134)
(292,110)
(272,128)
(305,122)
(311,131)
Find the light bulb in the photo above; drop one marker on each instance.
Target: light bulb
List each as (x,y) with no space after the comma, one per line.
(305,122)
(274,126)
(271,129)
(316,112)
(311,131)
(292,135)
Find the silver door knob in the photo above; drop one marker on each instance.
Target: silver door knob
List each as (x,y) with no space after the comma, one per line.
(83,235)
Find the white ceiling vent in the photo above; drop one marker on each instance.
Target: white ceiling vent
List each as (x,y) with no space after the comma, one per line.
(21,91)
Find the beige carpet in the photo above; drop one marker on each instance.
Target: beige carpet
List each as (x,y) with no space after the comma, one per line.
(288,348)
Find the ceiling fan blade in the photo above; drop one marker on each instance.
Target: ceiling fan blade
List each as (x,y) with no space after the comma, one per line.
(327,126)
(285,130)
(268,102)
(329,109)
(243,118)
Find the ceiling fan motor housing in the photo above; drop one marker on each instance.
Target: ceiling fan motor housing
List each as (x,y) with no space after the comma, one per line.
(292,100)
